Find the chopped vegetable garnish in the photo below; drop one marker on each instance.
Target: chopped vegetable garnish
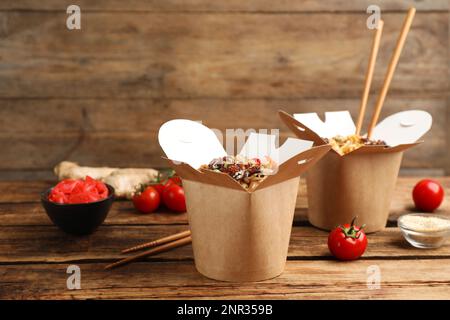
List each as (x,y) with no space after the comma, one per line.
(70,191)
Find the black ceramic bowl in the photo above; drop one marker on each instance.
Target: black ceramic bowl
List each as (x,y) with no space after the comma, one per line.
(79,218)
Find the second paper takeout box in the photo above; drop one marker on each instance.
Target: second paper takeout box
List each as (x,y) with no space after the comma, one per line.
(237,235)
(360,183)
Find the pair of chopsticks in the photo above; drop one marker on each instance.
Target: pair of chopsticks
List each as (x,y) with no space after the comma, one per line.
(157,246)
(389,74)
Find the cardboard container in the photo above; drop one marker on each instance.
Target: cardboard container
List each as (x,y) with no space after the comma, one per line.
(237,234)
(360,183)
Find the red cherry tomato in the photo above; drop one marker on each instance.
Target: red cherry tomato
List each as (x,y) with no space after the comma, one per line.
(176,180)
(428,195)
(168,183)
(174,198)
(347,242)
(147,201)
(160,188)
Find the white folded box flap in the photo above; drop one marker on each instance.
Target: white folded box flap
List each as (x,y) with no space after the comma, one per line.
(190,142)
(403,127)
(291,147)
(260,145)
(336,123)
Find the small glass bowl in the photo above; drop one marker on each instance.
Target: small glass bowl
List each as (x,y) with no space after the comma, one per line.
(424,238)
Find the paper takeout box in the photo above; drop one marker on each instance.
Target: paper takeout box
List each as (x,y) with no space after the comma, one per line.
(360,183)
(237,234)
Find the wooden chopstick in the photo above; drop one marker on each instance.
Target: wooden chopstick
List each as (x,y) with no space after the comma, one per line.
(163,248)
(158,242)
(369,76)
(391,69)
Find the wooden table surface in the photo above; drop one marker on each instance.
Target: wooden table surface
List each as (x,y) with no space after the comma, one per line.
(34,256)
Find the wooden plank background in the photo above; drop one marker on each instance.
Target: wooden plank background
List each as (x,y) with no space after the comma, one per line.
(98,95)
(35,254)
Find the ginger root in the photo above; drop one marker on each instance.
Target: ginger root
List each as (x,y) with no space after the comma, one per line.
(124,181)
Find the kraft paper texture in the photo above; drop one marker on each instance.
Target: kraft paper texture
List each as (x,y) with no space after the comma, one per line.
(240,236)
(360,183)
(340,188)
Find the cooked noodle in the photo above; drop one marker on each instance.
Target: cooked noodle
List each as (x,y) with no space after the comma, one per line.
(344,145)
(248,172)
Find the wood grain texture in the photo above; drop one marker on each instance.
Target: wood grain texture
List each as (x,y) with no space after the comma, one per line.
(403,279)
(209,55)
(99,94)
(23,196)
(34,256)
(136,150)
(45,150)
(47,244)
(98,132)
(28,116)
(121,76)
(122,213)
(228,6)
